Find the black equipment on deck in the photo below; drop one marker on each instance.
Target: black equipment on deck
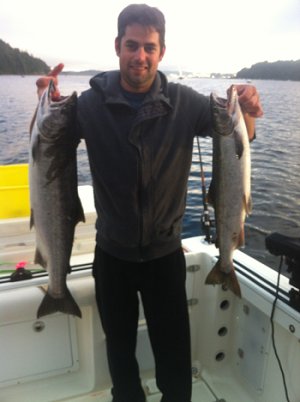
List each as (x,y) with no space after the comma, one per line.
(289,247)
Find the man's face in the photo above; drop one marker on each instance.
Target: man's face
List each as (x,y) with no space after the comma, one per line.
(139,52)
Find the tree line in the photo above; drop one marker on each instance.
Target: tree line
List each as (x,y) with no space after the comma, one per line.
(278,70)
(15,61)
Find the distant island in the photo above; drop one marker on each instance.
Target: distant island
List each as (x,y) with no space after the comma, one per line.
(278,70)
(15,61)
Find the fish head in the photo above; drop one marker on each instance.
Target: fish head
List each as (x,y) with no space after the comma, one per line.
(233,106)
(226,113)
(221,118)
(53,117)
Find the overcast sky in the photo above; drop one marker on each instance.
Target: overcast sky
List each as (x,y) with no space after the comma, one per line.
(201,36)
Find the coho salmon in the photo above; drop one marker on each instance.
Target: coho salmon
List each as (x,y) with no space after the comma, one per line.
(55,204)
(230,189)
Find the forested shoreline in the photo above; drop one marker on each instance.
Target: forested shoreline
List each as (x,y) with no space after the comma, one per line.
(278,70)
(15,61)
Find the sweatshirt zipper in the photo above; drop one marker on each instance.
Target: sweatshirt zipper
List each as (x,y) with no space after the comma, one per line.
(140,201)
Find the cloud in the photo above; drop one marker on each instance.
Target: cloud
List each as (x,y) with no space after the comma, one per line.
(218,35)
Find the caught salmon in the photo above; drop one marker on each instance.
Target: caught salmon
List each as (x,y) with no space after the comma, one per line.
(55,204)
(230,189)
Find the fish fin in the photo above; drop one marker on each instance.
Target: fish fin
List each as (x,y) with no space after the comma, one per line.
(35,147)
(239,239)
(32,121)
(211,193)
(50,305)
(232,283)
(80,213)
(239,146)
(31,224)
(44,288)
(217,277)
(39,259)
(248,204)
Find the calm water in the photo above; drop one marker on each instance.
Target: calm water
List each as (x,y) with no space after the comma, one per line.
(275,153)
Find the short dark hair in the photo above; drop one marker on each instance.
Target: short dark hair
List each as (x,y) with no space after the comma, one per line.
(144,15)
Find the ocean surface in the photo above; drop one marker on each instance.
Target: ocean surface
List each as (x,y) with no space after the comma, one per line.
(274,153)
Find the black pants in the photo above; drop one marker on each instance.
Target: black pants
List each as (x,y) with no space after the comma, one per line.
(161,284)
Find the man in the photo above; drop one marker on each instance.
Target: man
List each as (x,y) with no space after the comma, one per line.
(139,132)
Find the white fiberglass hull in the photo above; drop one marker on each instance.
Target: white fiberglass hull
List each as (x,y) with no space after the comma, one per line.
(62,358)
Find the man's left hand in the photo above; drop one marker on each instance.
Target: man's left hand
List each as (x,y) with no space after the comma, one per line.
(249,100)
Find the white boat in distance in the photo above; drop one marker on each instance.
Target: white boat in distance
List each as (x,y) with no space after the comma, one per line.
(241,351)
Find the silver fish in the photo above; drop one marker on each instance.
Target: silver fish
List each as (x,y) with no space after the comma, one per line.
(55,204)
(230,189)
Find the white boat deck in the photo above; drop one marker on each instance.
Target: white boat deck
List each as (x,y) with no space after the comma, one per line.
(201,392)
(62,358)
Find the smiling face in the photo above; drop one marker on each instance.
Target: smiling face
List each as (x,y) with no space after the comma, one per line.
(139,53)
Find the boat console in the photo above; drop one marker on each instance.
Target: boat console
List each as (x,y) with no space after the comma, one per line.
(289,247)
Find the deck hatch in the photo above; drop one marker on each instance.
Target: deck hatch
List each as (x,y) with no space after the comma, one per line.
(28,353)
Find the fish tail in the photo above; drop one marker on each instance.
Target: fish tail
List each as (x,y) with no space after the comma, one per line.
(232,283)
(50,305)
(218,277)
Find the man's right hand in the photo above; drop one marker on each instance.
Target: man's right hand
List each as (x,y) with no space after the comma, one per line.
(43,82)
